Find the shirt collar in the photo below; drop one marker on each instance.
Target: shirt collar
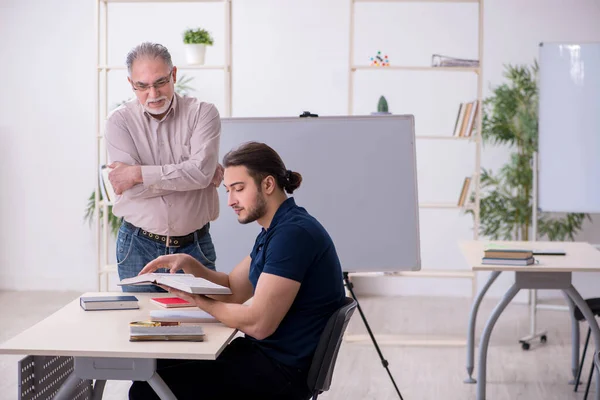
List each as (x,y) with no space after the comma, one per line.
(283,209)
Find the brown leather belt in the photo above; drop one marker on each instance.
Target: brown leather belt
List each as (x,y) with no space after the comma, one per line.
(174,241)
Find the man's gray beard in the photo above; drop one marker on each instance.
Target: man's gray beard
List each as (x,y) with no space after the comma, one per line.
(162,110)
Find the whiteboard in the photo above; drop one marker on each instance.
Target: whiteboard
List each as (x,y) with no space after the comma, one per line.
(358,179)
(569,127)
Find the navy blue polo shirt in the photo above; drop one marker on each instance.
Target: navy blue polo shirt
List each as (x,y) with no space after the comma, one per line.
(296,246)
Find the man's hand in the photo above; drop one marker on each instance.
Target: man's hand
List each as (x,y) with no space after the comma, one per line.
(174,262)
(124,177)
(218,176)
(192,298)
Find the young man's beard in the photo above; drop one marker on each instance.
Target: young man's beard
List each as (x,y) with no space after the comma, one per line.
(256,212)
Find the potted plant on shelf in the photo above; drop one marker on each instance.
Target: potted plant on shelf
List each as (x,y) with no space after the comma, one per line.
(195,42)
(511,118)
(382,107)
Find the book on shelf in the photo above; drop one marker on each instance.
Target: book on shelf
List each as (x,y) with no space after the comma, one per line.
(185,282)
(171,302)
(106,188)
(464,193)
(465,119)
(93,303)
(165,331)
(508,261)
(187,316)
(439,60)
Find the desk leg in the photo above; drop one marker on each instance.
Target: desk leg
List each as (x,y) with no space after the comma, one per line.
(98,389)
(68,387)
(589,317)
(485,339)
(472,323)
(161,388)
(574,339)
(123,369)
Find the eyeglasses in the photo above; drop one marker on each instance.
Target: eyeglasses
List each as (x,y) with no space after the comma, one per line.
(142,87)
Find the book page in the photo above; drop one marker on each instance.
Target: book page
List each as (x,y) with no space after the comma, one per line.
(146,279)
(105,186)
(192,284)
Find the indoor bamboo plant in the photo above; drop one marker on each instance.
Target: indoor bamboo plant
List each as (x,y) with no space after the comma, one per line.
(511,118)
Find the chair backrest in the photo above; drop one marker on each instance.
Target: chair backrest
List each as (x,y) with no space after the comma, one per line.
(321,369)
(597,362)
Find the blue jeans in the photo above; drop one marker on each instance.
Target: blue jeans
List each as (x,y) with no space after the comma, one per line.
(134,251)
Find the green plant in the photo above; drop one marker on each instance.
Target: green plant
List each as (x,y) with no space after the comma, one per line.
(511,118)
(114,222)
(182,87)
(197,36)
(382,105)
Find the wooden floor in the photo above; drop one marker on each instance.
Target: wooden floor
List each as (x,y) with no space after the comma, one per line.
(421,373)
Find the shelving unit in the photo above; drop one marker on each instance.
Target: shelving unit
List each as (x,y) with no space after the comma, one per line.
(475,140)
(102,68)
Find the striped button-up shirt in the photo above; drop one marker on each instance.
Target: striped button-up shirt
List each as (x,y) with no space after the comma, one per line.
(178,155)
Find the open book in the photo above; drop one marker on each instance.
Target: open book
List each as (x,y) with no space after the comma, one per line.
(108,193)
(184,282)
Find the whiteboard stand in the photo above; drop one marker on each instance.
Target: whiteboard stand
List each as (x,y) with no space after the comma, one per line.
(569,96)
(384,362)
(533,306)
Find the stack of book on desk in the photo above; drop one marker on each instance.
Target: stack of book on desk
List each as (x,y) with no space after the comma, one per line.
(120,302)
(142,331)
(508,257)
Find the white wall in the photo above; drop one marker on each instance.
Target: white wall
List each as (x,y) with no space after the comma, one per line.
(289,56)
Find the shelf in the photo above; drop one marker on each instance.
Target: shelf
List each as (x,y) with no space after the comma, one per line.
(414,68)
(164,1)
(416,1)
(424,273)
(109,268)
(409,340)
(186,67)
(441,137)
(444,205)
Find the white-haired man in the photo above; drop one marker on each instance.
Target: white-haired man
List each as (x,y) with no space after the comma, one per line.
(164,151)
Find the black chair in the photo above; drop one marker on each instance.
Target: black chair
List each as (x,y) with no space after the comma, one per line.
(321,368)
(594,305)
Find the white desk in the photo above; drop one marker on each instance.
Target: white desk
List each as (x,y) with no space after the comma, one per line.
(552,272)
(99,343)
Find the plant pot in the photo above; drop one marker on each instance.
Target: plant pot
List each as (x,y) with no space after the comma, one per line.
(381,113)
(194,53)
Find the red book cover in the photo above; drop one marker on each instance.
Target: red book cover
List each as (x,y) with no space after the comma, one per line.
(171,302)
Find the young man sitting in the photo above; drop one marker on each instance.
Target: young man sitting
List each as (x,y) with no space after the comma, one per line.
(293,274)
